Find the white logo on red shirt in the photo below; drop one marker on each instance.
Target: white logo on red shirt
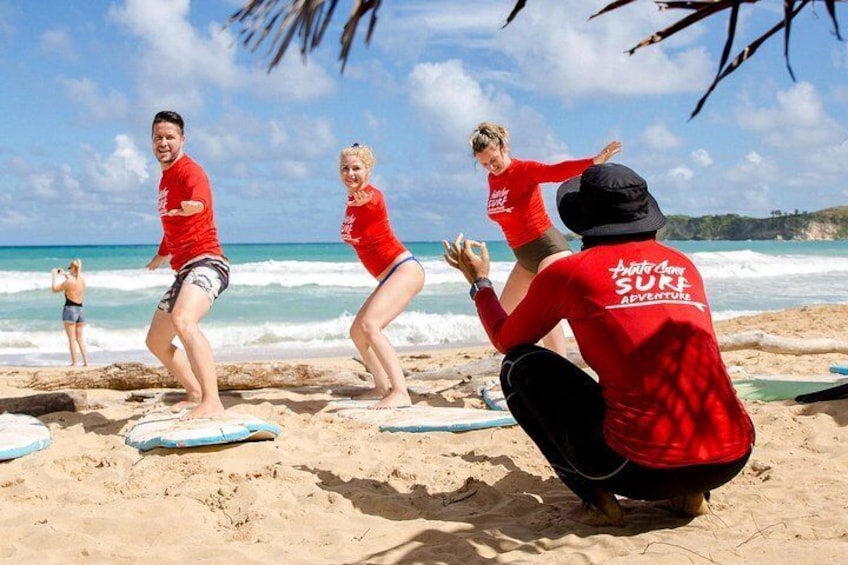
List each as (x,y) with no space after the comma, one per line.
(643,283)
(497,202)
(347,229)
(162,204)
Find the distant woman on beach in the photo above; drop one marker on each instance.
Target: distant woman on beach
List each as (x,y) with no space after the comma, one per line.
(73,318)
(399,274)
(516,205)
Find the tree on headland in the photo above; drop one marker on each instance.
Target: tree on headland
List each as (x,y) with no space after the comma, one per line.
(279,21)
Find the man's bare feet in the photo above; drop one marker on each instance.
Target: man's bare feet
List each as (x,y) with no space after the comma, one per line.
(604,510)
(395,399)
(206,409)
(689,505)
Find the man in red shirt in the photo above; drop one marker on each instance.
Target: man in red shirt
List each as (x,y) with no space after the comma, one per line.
(663,421)
(202,271)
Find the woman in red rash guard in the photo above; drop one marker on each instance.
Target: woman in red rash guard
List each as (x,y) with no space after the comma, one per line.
(366,227)
(516,205)
(663,421)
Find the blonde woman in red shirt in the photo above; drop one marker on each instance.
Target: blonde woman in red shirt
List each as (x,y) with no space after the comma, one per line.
(366,227)
(516,205)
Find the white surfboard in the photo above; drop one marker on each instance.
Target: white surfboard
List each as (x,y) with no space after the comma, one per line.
(493,396)
(420,418)
(21,434)
(165,429)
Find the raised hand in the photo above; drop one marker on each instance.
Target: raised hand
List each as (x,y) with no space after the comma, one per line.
(460,255)
(613,148)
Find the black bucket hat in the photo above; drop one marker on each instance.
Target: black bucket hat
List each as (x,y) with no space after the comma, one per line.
(608,199)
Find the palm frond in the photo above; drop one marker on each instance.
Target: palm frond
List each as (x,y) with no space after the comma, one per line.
(279,21)
(700,10)
(743,56)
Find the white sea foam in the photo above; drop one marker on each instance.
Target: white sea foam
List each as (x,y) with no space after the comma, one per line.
(410,328)
(285,274)
(752,265)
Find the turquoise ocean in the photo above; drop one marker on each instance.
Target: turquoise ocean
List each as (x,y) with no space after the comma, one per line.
(297,300)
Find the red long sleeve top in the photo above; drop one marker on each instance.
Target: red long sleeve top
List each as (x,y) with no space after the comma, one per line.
(641,320)
(515,197)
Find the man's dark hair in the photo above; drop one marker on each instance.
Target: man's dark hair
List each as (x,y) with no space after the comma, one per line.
(170,117)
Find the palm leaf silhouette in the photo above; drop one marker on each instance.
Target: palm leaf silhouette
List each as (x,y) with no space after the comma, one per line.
(279,21)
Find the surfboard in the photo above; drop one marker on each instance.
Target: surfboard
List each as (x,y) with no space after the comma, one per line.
(839,369)
(420,418)
(165,429)
(777,387)
(21,434)
(493,396)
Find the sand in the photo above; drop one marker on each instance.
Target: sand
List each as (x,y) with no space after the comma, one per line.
(330,490)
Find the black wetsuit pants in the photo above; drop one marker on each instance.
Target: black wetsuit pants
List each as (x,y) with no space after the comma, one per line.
(562,410)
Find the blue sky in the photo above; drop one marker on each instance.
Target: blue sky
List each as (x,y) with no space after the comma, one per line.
(82,80)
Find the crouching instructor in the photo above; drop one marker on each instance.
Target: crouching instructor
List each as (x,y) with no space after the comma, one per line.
(663,422)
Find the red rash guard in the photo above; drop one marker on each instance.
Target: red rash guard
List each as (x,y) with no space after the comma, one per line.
(515,198)
(641,320)
(368,230)
(186,237)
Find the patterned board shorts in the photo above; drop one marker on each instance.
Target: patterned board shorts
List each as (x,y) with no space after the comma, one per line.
(210,274)
(73,314)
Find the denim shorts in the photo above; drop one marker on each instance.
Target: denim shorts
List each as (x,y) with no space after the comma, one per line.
(73,314)
(210,274)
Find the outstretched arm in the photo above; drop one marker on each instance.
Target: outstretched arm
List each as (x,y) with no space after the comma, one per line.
(187,208)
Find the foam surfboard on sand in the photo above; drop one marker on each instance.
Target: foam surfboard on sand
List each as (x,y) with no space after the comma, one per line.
(165,429)
(493,396)
(839,369)
(777,387)
(420,418)
(21,434)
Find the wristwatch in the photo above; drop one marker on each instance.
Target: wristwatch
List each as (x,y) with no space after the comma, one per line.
(482,282)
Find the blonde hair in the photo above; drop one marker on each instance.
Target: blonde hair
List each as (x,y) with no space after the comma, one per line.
(487,134)
(75,264)
(361,152)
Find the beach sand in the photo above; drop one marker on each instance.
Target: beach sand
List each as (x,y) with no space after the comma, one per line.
(331,490)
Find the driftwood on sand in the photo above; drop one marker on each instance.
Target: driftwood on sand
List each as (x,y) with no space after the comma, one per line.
(252,376)
(45,403)
(762,341)
(240,376)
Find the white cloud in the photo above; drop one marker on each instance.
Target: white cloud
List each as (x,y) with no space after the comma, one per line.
(59,42)
(121,173)
(680,174)
(451,101)
(96,106)
(754,158)
(179,61)
(658,137)
(702,157)
(564,55)
(10,218)
(797,120)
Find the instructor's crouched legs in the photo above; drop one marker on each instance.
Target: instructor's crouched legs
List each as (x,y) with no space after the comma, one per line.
(560,407)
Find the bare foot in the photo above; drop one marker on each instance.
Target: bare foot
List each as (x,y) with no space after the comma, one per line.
(395,399)
(688,505)
(603,511)
(183,404)
(206,409)
(372,394)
